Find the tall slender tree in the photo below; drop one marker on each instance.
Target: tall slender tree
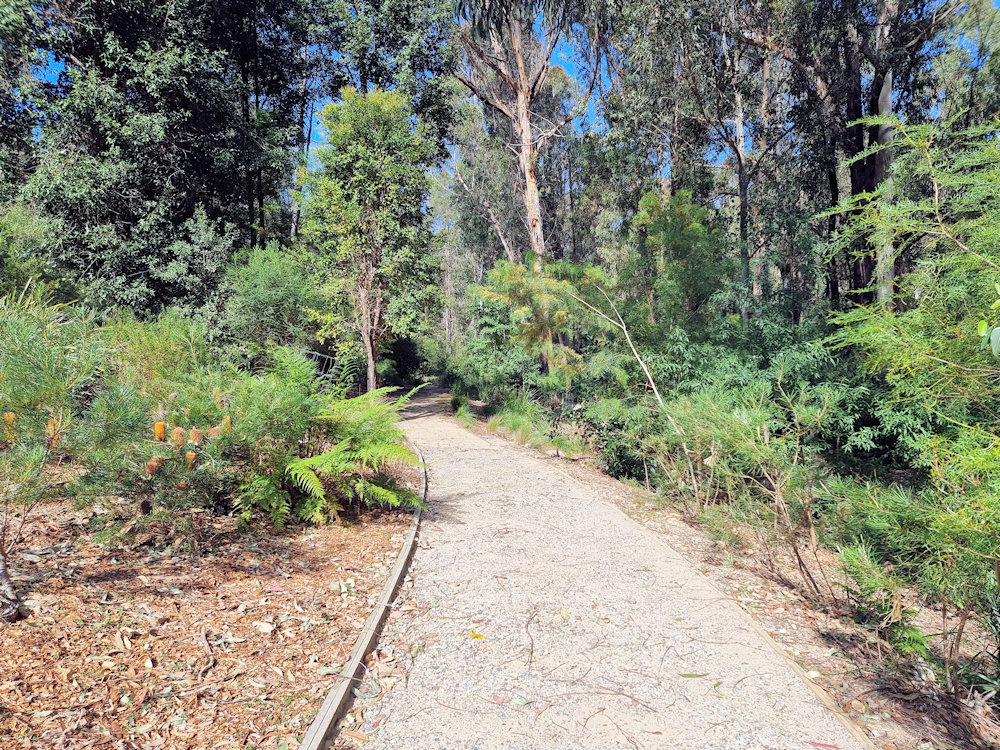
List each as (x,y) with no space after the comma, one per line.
(506,67)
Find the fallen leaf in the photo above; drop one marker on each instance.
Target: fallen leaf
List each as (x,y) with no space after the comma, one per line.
(475,635)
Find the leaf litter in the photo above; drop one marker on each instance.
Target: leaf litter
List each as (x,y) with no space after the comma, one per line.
(226,638)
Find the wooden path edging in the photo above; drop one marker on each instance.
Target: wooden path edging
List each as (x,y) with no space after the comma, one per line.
(323,727)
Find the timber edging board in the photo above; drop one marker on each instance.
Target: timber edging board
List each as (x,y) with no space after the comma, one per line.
(323,727)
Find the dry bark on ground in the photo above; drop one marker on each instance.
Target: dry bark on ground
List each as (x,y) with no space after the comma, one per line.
(192,636)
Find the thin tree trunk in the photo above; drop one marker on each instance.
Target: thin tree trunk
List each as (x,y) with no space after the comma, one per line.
(885,270)
(833,184)
(368,338)
(744,196)
(512,255)
(9,600)
(247,154)
(572,208)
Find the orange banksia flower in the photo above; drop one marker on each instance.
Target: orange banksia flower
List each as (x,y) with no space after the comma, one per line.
(153,465)
(53,432)
(189,458)
(160,430)
(195,436)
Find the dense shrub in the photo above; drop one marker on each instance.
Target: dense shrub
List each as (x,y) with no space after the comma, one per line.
(49,355)
(265,298)
(150,412)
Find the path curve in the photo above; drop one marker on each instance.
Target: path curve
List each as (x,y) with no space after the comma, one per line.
(595,633)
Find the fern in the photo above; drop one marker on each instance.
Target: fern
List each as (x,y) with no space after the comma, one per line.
(368,441)
(263,493)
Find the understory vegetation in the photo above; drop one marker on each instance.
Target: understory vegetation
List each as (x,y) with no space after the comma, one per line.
(747,255)
(148,412)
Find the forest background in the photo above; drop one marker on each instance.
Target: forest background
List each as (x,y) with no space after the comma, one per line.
(745,253)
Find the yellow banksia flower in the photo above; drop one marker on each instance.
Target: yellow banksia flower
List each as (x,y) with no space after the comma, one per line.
(53,432)
(9,426)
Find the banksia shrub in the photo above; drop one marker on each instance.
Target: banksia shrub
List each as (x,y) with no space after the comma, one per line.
(177,437)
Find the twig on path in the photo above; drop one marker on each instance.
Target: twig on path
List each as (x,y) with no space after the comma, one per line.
(204,685)
(453,708)
(603,708)
(531,647)
(208,653)
(631,740)
(609,692)
(542,710)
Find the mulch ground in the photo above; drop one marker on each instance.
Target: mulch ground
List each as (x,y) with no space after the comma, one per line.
(191,635)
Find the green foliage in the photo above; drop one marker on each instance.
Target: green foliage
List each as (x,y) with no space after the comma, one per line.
(265,296)
(49,354)
(25,238)
(877,599)
(266,442)
(679,259)
(365,221)
(366,441)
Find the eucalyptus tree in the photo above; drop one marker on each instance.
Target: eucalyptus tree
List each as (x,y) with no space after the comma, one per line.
(852,59)
(507,66)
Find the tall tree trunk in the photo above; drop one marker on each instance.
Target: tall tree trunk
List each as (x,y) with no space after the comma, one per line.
(527,151)
(744,196)
(572,208)
(863,264)
(305,104)
(885,269)
(833,184)
(368,335)
(885,263)
(248,187)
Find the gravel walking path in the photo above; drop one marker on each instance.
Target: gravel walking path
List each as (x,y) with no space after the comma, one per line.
(555,621)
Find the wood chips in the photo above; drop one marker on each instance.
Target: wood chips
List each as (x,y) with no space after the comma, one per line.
(195,635)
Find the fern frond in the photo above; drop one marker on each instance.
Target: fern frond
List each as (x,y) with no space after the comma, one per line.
(302,474)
